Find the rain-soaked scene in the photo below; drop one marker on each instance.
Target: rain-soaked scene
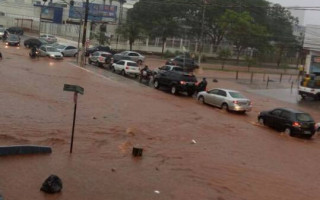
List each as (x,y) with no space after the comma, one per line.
(159,99)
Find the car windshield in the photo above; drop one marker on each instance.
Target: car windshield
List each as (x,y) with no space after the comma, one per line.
(61,46)
(52,49)
(105,55)
(303,117)
(132,64)
(178,69)
(236,95)
(13,37)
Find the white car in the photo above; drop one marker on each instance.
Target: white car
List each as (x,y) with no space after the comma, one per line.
(51,52)
(229,100)
(49,38)
(126,67)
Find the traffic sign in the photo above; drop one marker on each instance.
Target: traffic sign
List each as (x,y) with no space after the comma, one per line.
(73,88)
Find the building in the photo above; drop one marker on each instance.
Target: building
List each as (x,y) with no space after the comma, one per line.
(311,47)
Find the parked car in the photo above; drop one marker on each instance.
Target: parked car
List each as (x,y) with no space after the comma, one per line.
(292,122)
(13,40)
(51,52)
(100,57)
(67,50)
(229,100)
(99,48)
(178,81)
(126,67)
(15,30)
(34,42)
(129,55)
(49,38)
(2,30)
(188,64)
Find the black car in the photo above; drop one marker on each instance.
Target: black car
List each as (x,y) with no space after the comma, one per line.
(177,81)
(34,42)
(15,30)
(99,48)
(188,64)
(13,40)
(291,121)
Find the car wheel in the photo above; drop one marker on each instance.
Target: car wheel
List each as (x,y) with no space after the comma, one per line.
(75,55)
(201,100)
(89,61)
(139,62)
(62,54)
(288,131)
(225,107)
(174,89)
(156,84)
(123,73)
(27,46)
(261,121)
(100,64)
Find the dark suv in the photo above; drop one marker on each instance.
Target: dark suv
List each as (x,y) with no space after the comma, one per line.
(188,64)
(292,122)
(15,30)
(178,81)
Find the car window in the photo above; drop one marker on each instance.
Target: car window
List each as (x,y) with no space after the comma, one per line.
(43,48)
(303,117)
(222,93)
(215,91)
(179,60)
(71,47)
(236,95)
(133,54)
(178,69)
(120,63)
(95,54)
(276,112)
(51,49)
(132,64)
(164,68)
(285,114)
(61,46)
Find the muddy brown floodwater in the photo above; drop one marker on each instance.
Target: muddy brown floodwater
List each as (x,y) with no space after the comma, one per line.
(233,158)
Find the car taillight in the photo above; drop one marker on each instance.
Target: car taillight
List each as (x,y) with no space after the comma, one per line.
(182,82)
(235,102)
(127,67)
(296,124)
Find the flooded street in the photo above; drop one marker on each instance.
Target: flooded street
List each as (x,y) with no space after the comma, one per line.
(233,158)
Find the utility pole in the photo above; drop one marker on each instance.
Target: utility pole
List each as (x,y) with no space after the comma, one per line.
(41,7)
(84,35)
(201,36)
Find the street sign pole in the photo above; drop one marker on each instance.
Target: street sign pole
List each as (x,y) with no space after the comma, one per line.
(74,119)
(76,89)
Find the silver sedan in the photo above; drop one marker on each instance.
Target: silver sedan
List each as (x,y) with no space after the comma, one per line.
(67,50)
(229,100)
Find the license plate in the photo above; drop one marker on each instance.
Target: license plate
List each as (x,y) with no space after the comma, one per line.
(307,132)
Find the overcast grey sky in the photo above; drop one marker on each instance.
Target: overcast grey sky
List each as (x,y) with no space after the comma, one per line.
(311,17)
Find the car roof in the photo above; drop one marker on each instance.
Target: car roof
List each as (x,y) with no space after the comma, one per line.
(128,61)
(227,90)
(105,52)
(290,110)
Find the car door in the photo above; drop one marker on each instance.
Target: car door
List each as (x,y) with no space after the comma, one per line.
(134,56)
(220,97)
(272,117)
(283,120)
(67,51)
(211,96)
(119,65)
(162,75)
(43,51)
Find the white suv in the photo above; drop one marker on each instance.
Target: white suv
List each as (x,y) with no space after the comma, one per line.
(49,38)
(126,67)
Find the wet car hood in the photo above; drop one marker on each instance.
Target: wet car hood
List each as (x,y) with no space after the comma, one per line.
(54,53)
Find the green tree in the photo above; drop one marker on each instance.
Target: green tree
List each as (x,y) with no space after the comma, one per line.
(130,30)
(242,31)
(281,24)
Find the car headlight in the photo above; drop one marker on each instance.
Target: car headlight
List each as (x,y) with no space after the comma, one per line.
(51,55)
